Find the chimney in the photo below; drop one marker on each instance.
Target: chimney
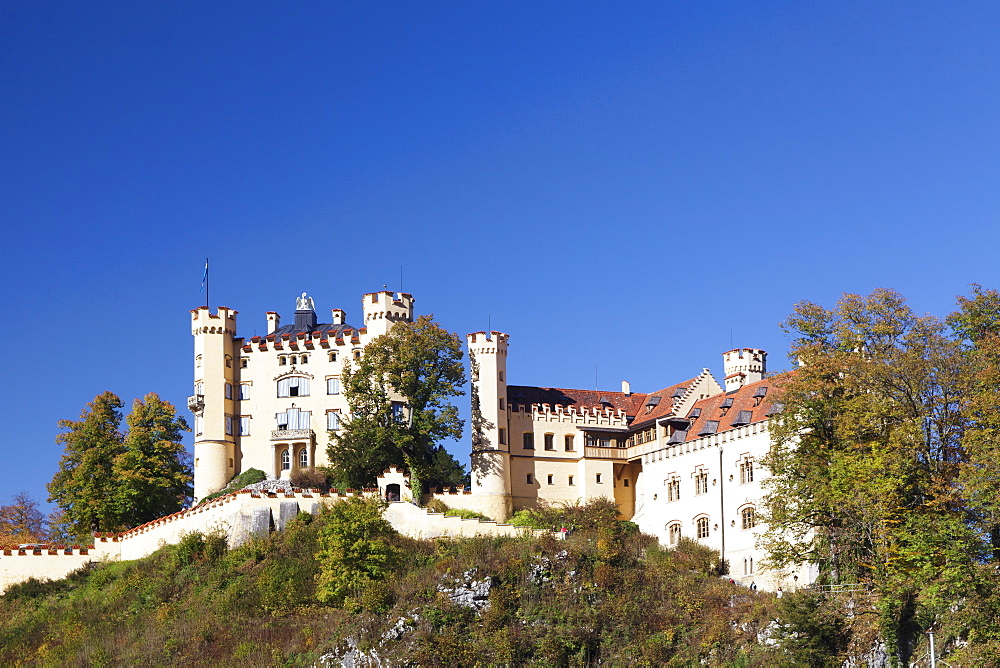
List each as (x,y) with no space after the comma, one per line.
(337,316)
(273,322)
(626,388)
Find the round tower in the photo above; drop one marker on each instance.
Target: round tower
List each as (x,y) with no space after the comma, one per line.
(743,366)
(215,369)
(490,434)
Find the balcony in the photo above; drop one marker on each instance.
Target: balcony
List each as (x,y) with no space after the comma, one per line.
(196,403)
(292,435)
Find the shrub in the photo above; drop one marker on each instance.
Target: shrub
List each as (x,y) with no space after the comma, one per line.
(467,514)
(248,477)
(354,548)
(437,506)
(310,479)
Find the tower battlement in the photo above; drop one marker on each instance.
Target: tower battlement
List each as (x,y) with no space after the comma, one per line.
(383,309)
(743,366)
(223,322)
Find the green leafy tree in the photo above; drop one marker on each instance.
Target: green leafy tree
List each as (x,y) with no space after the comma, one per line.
(153,474)
(83,487)
(866,458)
(22,521)
(109,481)
(355,549)
(398,393)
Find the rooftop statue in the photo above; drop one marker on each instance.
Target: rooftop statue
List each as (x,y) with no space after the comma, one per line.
(304,303)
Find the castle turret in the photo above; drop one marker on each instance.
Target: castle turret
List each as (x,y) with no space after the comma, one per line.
(742,366)
(215,369)
(386,308)
(490,433)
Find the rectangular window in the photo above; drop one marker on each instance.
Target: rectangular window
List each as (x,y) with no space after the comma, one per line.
(529,441)
(746,471)
(244,362)
(229,391)
(550,478)
(568,444)
(673,490)
(244,392)
(502,436)
(571,481)
(198,425)
(501,403)
(550,442)
(293,387)
(245,425)
(333,386)
(397,411)
(229,425)
(598,478)
(528,478)
(332,420)
(625,482)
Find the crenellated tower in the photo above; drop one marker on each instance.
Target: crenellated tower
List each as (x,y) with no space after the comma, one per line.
(743,366)
(491,435)
(216,358)
(384,309)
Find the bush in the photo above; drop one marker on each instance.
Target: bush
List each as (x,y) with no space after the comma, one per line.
(310,479)
(437,506)
(467,514)
(248,477)
(354,549)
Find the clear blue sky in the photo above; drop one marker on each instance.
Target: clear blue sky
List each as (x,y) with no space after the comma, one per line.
(629,186)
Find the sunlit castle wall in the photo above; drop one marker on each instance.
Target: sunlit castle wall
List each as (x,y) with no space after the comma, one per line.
(268,402)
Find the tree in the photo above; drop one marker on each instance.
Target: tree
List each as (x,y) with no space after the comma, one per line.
(153,474)
(866,457)
(355,548)
(109,481)
(22,521)
(83,487)
(398,394)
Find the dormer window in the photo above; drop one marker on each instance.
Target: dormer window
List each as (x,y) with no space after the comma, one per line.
(743,418)
(759,395)
(726,405)
(652,403)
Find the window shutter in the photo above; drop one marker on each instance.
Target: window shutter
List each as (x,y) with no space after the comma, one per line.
(244,392)
(333,386)
(244,426)
(283,386)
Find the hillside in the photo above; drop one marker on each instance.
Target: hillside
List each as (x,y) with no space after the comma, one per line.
(602,596)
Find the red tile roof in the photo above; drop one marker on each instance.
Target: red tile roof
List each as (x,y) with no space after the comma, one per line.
(525,394)
(743,400)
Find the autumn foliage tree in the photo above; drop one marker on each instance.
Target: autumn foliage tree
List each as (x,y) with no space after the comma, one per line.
(110,480)
(22,521)
(868,455)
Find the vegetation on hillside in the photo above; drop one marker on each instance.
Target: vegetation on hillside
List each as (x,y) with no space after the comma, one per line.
(603,595)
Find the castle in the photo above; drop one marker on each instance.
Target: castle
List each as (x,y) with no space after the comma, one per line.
(681,461)
(268,402)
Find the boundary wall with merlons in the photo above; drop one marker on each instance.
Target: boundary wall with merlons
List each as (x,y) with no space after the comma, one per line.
(240,516)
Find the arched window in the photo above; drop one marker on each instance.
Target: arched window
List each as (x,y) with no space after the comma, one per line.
(304,458)
(747,518)
(286,460)
(674,533)
(702,527)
